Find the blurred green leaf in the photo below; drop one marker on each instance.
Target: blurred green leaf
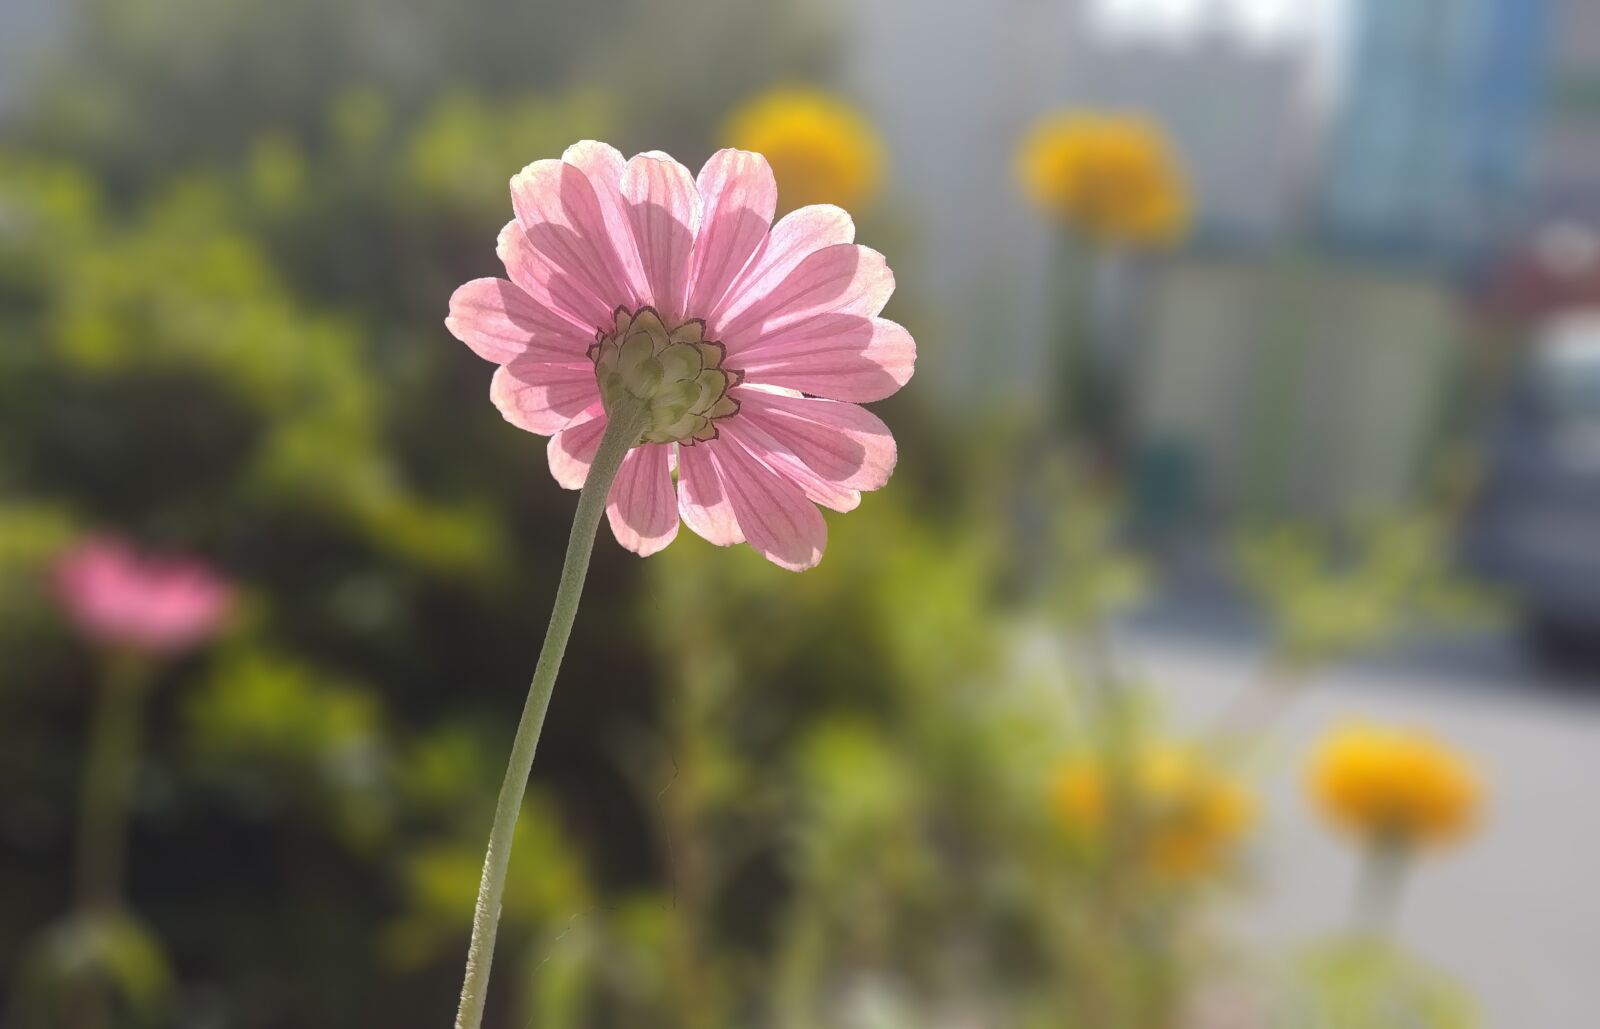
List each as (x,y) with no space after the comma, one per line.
(107,961)
(267,726)
(546,885)
(1332,595)
(1371,984)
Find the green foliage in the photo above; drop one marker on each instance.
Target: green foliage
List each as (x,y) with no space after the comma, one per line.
(106,963)
(1332,596)
(464,149)
(30,535)
(273,730)
(179,294)
(1370,984)
(894,766)
(547,885)
(1096,575)
(227,240)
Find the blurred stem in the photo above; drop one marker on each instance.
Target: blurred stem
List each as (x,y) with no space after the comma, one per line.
(800,961)
(1375,902)
(691,859)
(110,768)
(622,433)
(1276,394)
(1106,1001)
(1073,371)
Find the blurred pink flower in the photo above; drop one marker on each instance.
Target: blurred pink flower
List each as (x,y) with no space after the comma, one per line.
(122,598)
(769,336)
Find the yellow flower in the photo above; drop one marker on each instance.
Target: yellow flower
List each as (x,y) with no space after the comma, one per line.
(1111,176)
(821,150)
(1394,786)
(1186,813)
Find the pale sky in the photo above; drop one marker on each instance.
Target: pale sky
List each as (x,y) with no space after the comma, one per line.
(1315,25)
(1310,20)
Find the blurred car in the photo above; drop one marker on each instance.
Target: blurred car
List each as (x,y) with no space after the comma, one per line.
(1535,530)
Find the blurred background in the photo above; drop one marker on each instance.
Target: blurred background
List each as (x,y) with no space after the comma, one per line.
(1257,412)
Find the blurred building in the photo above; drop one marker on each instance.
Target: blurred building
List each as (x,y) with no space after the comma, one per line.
(1238,110)
(952,139)
(1431,151)
(1304,386)
(26,28)
(1234,99)
(1567,170)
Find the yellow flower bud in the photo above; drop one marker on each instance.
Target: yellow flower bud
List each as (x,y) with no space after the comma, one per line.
(821,150)
(1113,177)
(1394,786)
(1185,813)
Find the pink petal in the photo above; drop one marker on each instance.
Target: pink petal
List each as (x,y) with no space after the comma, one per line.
(841,443)
(701,499)
(643,505)
(740,195)
(838,356)
(571,450)
(604,165)
(841,279)
(781,459)
(500,322)
(542,396)
(777,519)
(664,211)
(123,598)
(797,235)
(577,224)
(547,284)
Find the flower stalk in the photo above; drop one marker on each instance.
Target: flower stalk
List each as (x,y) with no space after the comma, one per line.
(110,768)
(627,419)
(1375,903)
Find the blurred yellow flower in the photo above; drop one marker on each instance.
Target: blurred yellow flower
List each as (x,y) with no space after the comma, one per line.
(1394,786)
(822,151)
(1114,177)
(1186,812)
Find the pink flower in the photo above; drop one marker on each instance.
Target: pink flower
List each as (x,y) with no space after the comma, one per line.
(769,335)
(157,605)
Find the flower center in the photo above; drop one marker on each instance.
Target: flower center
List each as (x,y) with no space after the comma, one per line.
(676,373)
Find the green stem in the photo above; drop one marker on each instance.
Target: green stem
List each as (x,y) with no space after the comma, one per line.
(1277,387)
(622,433)
(1124,815)
(110,767)
(1071,335)
(1377,895)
